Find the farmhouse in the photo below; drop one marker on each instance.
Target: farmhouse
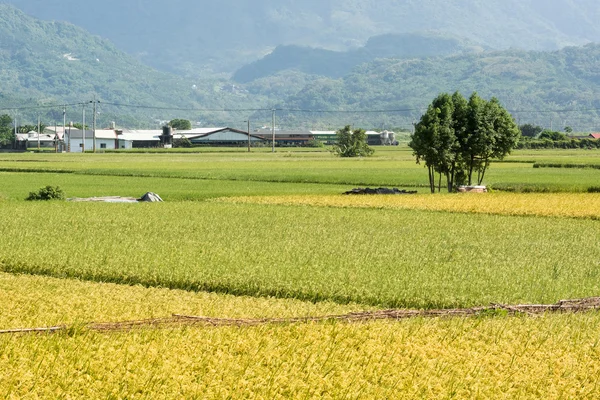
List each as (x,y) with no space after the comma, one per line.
(302,138)
(112,139)
(77,140)
(32,140)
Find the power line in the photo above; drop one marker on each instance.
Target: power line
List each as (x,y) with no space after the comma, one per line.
(287,110)
(40,107)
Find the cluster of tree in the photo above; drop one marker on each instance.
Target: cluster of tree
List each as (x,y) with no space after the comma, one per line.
(180,124)
(458,138)
(559,144)
(7,135)
(352,143)
(535,131)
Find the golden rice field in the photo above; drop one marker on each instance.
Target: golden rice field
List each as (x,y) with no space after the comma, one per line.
(553,356)
(570,205)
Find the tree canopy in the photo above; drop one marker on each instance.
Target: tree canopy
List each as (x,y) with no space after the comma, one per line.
(352,143)
(458,139)
(6,132)
(180,124)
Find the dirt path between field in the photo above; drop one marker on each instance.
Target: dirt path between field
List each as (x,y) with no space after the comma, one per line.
(178,320)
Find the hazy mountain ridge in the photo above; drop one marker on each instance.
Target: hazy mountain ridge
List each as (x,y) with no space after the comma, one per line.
(49,62)
(202,35)
(531,84)
(336,64)
(59,63)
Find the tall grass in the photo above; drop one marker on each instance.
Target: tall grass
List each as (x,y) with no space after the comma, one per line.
(388,258)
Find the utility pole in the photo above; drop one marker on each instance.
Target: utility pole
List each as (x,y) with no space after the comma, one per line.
(64,125)
(83,130)
(38,132)
(94,126)
(55,137)
(273,129)
(15,142)
(248,135)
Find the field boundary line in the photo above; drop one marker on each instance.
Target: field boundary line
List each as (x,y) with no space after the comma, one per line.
(180,320)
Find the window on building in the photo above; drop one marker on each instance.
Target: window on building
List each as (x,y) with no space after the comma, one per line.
(102,145)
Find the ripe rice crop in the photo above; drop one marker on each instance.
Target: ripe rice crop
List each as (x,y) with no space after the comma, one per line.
(548,357)
(38,301)
(572,205)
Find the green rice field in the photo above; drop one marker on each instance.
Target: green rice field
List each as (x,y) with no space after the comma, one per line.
(256,235)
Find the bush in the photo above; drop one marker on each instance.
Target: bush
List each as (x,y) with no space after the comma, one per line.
(47,193)
(594,189)
(352,143)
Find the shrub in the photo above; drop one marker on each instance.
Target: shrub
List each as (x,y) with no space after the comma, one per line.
(47,193)
(594,189)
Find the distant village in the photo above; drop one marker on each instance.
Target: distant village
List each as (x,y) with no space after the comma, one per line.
(75,140)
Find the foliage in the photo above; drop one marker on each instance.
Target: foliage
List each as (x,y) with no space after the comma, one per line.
(352,143)
(315,143)
(7,135)
(552,135)
(530,130)
(560,144)
(180,124)
(534,86)
(182,142)
(47,193)
(457,139)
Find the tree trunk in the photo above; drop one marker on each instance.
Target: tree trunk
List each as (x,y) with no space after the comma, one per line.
(431,178)
(450,177)
(471,169)
(485,166)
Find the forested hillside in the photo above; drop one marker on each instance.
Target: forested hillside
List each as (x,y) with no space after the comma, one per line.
(45,63)
(205,36)
(336,64)
(52,63)
(562,88)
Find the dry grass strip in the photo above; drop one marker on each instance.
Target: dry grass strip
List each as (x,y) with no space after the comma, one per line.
(178,320)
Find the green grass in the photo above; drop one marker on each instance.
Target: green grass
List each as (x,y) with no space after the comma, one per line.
(389,167)
(388,258)
(16,186)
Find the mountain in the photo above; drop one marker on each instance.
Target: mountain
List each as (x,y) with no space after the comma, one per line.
(207,37)
(547,88)
(50,63)
(336,64)
(44,63)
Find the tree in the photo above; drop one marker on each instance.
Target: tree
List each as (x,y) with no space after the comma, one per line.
(180,124)
(459,139)
(183,141)
(7,135)
(352,143)
(552,135)
(529,130)
(434,140)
